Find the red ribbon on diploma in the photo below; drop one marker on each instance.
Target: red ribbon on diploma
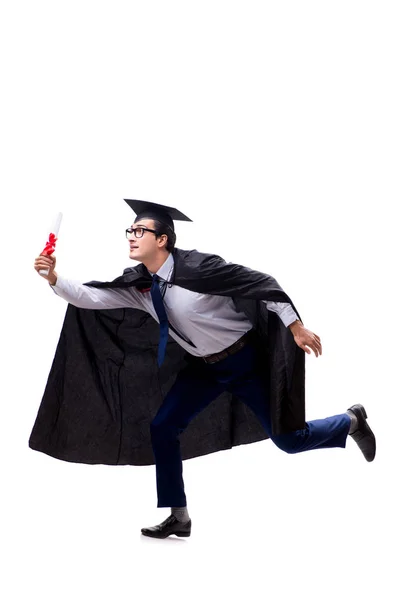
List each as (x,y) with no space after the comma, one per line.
(50,245)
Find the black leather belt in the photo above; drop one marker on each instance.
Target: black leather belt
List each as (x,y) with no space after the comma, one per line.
(213,358)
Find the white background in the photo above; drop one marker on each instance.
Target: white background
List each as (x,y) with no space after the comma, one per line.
(275,127)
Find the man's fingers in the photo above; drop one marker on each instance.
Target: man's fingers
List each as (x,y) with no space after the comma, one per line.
(47,257)
(314,348)
(44,260)
(310,341)
(319,347)
(315,344)
(44,263)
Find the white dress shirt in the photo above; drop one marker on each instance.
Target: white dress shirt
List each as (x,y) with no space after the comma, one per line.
(211,323)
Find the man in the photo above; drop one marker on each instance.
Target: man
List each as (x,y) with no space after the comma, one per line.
(240,334)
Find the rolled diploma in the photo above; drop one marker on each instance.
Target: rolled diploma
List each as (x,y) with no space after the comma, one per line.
(55,228)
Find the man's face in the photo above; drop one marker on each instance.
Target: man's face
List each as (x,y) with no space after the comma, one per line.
(145,247)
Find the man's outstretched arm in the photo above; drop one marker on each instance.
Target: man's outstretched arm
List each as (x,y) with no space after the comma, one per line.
(83,296)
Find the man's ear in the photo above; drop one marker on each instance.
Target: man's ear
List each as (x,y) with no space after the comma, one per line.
(164,238)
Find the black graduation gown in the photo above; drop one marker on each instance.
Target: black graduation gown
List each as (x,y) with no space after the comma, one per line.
(105,387)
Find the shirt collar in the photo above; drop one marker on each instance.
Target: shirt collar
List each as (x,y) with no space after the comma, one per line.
(165,270)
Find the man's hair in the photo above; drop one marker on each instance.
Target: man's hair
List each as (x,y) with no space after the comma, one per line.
(161,228)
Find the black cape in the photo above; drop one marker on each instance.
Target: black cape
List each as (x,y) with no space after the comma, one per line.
(105,387)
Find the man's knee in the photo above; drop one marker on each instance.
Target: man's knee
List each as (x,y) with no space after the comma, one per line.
(287,443)
(294,441)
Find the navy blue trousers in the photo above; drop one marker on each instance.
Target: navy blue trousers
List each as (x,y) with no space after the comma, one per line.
(200,383)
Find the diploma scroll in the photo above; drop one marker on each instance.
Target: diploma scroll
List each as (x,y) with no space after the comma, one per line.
(51,242)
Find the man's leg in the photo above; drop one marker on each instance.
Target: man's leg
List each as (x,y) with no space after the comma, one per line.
(192,391)
(321,433)
(330,432)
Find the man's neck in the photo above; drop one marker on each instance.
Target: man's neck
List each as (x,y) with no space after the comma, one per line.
(154,265)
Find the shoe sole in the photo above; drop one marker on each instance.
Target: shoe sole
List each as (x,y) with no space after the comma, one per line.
(163,537)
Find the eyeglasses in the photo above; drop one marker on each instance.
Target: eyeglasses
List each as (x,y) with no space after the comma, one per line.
(138,231)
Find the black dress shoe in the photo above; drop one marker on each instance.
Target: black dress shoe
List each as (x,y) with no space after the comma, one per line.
(171,526)
(363,435)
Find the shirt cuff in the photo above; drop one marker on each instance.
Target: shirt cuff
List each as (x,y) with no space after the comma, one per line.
(284,311)
(288,316)
(57,285)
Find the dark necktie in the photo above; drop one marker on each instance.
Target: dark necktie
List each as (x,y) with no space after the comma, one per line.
(162,316)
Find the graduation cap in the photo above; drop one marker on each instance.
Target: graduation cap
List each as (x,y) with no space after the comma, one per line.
(150,210)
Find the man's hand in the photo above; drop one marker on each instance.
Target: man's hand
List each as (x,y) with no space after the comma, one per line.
(46,262)
(305,338)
